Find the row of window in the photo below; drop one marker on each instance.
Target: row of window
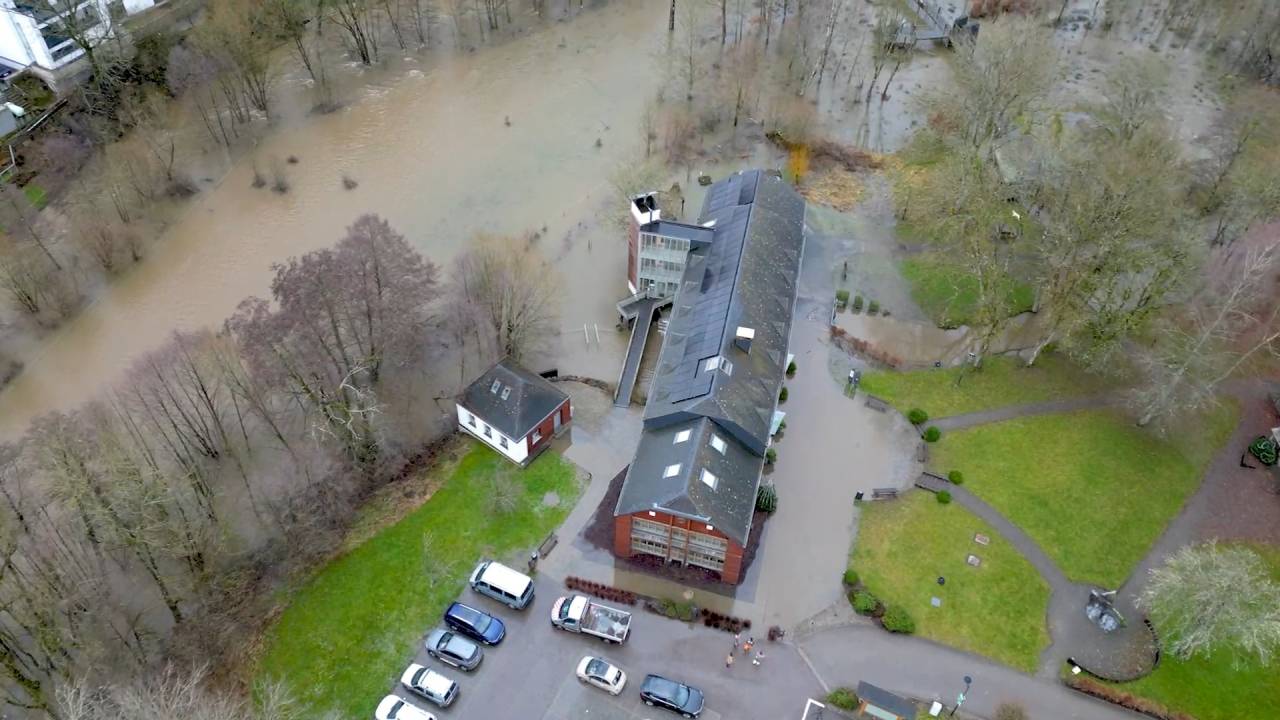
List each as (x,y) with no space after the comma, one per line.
(667,265)
(665,288)
(650,240)
(488,431)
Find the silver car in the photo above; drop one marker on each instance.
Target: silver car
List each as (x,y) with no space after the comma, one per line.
(453,649)
(429,684)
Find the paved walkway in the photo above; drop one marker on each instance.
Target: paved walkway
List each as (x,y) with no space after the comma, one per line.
(983,417)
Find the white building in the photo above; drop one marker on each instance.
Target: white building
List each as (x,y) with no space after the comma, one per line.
(33,34)
(514,411)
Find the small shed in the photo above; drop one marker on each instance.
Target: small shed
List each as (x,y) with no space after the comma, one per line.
(514,411)
(880,703)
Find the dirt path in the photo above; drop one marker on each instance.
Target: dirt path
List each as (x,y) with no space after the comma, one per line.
(1010,412)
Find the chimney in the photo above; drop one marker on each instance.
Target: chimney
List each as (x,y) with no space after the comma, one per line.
(743,338)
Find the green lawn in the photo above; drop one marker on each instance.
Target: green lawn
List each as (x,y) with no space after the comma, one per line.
(1091,488)
(1211,689)
(35,195)
(996,609)
(349,631)
(947,294)
(999,382)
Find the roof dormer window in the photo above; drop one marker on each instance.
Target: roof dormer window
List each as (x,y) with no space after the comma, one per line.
(709,479)
(682,436)
(671,471)
(719,444)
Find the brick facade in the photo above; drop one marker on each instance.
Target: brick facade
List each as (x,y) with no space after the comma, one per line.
(547,429)
(622,527)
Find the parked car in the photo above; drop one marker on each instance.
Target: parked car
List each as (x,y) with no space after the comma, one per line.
(429,684)
(474,623)
(503,584)
(672,695)
(452,649)
(603,674)
(394,707)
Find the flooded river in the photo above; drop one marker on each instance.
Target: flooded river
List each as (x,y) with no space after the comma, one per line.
(429,147)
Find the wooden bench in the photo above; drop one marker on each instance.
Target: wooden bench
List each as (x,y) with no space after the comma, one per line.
(884,493)
(877,404)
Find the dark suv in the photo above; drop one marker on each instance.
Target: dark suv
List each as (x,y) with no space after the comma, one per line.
(475,623)
(671,695)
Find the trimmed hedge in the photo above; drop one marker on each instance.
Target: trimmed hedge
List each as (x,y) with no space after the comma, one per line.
(955,477)
(897,620)
(843,698)
(916,416)
(857,303)
(770,456)
(932,434)
(864,602)
(850,577)
(944,497)
(782,394)
(791,368)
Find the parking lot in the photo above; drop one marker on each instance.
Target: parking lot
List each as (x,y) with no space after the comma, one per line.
(530,674)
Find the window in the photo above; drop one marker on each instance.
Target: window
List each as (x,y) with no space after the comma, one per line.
(537,436)
(671,471)
(709,479)
(713,363)
(469,418)
(726,366)
(502,442)
(719,444)
(488,431)
(682,436)
(494,387)
(506,392)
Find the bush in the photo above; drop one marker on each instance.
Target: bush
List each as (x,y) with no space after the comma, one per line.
(873,307)
(782,394)
(864,602)
(916,416)
(932,434)
(791,368)
(782,425)
(842,297)
(843,698)
(767,499)
(857,303)
(770,456)
(1010,711)
(1122,698)
(850,577)
(955,477)
(898,620)
(944,498)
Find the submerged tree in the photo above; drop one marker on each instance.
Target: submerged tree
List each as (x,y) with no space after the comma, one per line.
(511,293)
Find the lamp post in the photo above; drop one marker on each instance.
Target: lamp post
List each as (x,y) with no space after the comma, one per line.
(960,698)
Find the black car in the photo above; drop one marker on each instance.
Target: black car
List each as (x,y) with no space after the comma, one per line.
(671,695)
(475,623)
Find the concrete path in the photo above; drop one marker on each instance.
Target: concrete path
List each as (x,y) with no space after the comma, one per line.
(983,417)
(919,668)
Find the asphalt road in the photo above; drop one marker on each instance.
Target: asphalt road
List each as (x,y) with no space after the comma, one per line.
(531,673)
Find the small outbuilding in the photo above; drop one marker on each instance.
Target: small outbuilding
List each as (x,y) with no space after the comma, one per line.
(880,703)
(514,411)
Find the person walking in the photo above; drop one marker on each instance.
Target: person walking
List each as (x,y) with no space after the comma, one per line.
(728,661)
(759,656)
(737,638)
(746,646)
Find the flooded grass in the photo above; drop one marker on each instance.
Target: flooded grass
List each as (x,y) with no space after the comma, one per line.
(1091,488)
(350,630)
(1000,382)
(996,609)
(1211,688)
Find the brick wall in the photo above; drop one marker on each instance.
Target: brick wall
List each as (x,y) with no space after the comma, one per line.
(733,551)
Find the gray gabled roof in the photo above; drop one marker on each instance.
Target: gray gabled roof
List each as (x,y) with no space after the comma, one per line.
(511,399)
(745,277)
(886,700)
(736,472)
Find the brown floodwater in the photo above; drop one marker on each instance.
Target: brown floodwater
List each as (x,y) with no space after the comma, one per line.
(428,144)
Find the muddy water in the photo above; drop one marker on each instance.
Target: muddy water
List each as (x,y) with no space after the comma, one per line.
(430,150)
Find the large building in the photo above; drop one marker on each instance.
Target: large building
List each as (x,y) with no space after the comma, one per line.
(33,33)
(657,248)
(689,493)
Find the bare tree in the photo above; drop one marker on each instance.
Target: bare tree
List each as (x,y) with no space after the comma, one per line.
(1208,599)
(19,217)
(513,292)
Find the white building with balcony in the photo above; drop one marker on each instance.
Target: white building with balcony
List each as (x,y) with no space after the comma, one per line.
(33,33)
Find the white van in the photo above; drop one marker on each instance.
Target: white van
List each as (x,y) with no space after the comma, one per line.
(502,584)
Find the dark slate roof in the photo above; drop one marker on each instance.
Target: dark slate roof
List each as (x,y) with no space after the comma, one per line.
(886,700)
(512,399)
(728,506)
(684,231)
(745,277)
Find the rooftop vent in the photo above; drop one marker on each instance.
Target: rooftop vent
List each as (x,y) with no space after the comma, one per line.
(743,337)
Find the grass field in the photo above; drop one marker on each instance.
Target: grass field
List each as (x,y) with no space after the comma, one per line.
(1091,488)
(1211,689)
(999,382)
(996,609)
(948,295)
(348,631)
